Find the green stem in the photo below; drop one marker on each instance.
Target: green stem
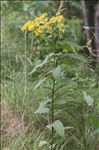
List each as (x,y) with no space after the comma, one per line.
(53,92)
(52,113)
(83,130)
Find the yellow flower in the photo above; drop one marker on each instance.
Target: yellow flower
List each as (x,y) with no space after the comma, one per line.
(41,18)
(58,13)
(31,26)
(49,29)
(23,28)
(60,19)
(41,24)
(61,30)
(52,21)
(27,25)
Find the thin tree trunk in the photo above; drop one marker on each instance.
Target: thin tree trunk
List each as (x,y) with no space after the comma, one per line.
(97,31)
(85,17)
(97,40)
(61,4)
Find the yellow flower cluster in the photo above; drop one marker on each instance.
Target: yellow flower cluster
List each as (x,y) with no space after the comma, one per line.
(42,24)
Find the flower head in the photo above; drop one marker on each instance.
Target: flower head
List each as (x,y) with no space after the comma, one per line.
(42,24)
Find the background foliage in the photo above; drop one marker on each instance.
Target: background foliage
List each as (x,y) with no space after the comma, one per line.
(77,105)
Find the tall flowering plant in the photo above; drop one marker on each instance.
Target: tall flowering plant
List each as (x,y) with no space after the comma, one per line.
(44,27)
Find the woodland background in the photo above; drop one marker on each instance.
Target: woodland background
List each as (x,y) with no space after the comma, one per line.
(22,128)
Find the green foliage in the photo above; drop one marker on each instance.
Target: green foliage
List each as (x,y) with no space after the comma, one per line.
(88,99)
(43,107)
(56,73)
(58,126)
(34,75)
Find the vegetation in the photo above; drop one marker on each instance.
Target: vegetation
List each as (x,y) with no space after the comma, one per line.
(49,83)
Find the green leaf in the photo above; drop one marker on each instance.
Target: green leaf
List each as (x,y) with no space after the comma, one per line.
(95,121)
(56,73)
(88,99)
(67,128)
(67,48)
(58,127)
(60,101)
(96,131)
(39,83)
(42,143)
(42,64)
(43,107)
(73,45)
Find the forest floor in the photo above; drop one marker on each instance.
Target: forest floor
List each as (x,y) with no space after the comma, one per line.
(11,124)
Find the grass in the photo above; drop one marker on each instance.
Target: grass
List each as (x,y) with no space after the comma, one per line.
(22,129)
(33,128)
(23,106)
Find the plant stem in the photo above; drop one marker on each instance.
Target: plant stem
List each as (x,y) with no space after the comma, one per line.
(83,130)
(53,92)
(52,113)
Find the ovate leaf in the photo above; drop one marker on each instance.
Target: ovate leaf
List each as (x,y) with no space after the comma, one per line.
(96,131)
(88,99)
(56,73)
(67,48)
(40,83)
(42,64)
(43,107)
(60,102)
(58,127)
(95,121)
(42,143)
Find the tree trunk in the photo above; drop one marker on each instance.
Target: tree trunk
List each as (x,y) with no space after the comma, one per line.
(85,17)
(97,31)
(61,4)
